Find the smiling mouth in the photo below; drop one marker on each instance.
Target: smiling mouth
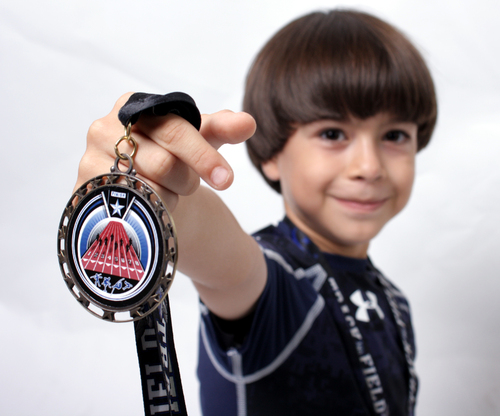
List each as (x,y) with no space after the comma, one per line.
(362,206)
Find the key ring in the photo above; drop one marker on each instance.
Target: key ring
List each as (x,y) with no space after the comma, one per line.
(130,140)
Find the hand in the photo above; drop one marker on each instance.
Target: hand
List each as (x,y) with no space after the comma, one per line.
(172,155)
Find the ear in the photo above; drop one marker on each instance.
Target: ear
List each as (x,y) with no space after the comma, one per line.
(271,170)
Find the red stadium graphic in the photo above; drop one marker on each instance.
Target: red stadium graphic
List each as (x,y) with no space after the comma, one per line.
(112,254)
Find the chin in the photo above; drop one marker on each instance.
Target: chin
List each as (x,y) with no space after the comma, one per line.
(360,237)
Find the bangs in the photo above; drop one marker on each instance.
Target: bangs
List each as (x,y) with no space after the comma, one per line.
(362,73)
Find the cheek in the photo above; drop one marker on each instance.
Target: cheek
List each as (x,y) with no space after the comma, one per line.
(303,187)
(294,186)
(404,185)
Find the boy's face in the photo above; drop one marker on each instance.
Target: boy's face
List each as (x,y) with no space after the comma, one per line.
(342,181)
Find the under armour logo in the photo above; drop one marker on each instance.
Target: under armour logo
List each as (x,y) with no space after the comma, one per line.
(363,305)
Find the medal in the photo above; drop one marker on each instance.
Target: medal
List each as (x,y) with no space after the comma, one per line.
(117,251)
(117,246)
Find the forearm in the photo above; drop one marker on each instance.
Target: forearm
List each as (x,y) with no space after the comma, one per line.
(225,264)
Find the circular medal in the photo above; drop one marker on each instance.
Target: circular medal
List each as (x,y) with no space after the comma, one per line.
(117,247)
(116,243)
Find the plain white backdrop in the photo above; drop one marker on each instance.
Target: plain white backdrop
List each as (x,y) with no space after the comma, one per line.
(63,64)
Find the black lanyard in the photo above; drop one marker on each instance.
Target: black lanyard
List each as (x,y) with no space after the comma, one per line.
(403,333)
(366,361)
(160,376)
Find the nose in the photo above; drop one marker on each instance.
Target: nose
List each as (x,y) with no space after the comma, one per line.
(365,161)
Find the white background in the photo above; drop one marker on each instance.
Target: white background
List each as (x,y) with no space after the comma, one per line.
(64,63)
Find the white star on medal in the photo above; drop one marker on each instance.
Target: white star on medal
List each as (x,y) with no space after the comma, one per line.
(117,208)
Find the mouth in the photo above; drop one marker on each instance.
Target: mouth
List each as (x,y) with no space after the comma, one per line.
(362,206)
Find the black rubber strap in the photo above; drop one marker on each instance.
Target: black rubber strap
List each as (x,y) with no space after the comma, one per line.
(160,105)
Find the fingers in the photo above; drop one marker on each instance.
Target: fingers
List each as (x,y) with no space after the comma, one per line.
(172,155)
(198,149)
(162,167)
(226,127)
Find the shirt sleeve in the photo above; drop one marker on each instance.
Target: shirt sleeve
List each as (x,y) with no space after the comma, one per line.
(286,309)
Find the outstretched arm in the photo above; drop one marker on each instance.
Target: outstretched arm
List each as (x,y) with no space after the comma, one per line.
(225,264)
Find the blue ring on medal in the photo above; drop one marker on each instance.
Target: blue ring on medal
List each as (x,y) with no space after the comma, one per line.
(117,247)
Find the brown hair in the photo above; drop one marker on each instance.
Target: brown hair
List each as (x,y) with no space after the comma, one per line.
(330,66)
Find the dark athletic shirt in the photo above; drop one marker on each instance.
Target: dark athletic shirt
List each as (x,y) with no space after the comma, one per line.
(298,353)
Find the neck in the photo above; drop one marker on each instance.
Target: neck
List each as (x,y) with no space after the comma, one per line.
(326,245)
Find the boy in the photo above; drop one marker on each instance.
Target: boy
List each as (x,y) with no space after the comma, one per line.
(296,320)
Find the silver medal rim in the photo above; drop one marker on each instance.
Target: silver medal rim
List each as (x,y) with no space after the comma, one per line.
(156,295)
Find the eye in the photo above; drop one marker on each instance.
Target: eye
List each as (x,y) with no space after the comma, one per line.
(332,134)
(396,136)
